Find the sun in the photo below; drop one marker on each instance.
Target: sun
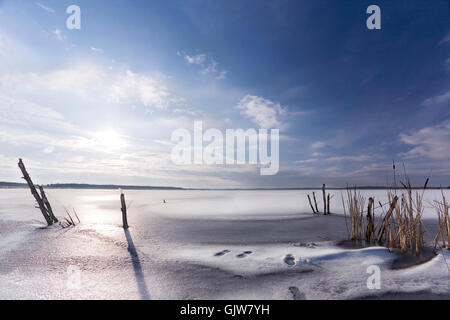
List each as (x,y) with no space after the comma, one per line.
(109,140)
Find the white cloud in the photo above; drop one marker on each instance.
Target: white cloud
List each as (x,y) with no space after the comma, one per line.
(92,81)
(28,119)
(263,112)
(209,64)
(318,144)
(197,59)
(16,112)
(24,123)
(317,154)
(44,7)
(223,74)
(431,142)
(96,50)
(79,80)
(210,68)
(132,88)
(437,99)
(360,158)
(349,158)
(59,35)
(307,161)
(163,142)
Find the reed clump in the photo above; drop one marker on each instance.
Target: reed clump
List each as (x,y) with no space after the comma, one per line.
(443,235)
(355,205)
(399,227)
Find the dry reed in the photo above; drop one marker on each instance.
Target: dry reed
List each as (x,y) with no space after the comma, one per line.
(444,223)
(400,227)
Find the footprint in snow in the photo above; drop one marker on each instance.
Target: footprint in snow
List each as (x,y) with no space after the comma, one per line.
(243,254)
(221,253)
(289,260)
(297,294)
(311,245)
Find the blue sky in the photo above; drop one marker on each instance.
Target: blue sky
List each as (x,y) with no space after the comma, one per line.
(98,105)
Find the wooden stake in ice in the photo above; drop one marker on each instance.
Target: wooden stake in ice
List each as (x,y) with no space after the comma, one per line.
(385,223)
(326,202)
(47,205)
(315,202)
(310,203)
(370,230)
(36,195)
(124,210)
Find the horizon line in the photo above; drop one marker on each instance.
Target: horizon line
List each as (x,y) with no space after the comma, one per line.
(6,184)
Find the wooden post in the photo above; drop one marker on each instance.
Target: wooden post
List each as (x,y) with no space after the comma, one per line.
(315,202)
(47,205)
(324,200)
(386,219)
(310,203)
(79,221)
(124,210)
(34,192)
(328,204)
(370,230)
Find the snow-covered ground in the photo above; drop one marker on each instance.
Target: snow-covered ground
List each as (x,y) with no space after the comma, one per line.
(201,245)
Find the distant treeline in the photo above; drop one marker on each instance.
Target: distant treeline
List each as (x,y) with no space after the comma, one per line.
(113,186)
(328,188)
(86,186)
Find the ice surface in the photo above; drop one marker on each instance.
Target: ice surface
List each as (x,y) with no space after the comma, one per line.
(200,245)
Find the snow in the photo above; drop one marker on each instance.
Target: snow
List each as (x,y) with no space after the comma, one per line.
(201,244)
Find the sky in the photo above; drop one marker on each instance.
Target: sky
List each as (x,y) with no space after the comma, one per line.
(99,104)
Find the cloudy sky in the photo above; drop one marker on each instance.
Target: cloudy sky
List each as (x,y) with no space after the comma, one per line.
(99,104)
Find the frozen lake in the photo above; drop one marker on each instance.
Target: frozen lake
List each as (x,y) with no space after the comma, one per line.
(199,245)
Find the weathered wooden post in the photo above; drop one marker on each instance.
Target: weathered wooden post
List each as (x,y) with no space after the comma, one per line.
(34,192)
(386,219)
(328,204)
(310,203)
(315,202)
(47,205)
(124,210)
(324,200)
(370,231)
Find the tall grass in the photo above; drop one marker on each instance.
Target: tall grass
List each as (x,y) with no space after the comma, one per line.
(355,204)
(398,227)
(444,223)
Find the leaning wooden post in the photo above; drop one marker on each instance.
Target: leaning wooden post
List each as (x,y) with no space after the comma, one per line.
(384,224)
(310,203)
(47,205)
(124,210)
(324,200)
(34,192)
(315,202)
